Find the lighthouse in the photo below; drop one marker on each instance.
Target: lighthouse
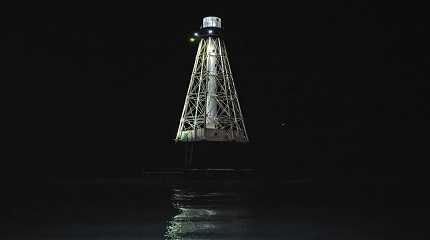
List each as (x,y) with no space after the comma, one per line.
(211,110)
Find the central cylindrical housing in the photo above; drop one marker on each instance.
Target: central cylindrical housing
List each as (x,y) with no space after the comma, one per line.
(213,26)
(211,102)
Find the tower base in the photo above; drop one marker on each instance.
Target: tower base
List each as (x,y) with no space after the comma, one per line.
(211,135)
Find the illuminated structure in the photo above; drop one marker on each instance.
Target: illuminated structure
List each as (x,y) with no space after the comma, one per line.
(211,111)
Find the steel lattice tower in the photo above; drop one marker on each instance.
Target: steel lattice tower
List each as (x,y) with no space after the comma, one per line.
(211,111)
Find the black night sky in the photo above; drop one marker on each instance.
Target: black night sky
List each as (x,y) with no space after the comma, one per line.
(97,91)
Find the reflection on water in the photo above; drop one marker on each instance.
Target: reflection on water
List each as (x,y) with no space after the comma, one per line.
(246,214)
(206,214)
(133,211)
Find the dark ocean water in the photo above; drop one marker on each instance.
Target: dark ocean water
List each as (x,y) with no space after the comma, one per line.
(130,210)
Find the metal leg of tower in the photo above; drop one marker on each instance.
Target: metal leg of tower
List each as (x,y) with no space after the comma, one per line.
(189,149)
(186,156)
(191,154)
